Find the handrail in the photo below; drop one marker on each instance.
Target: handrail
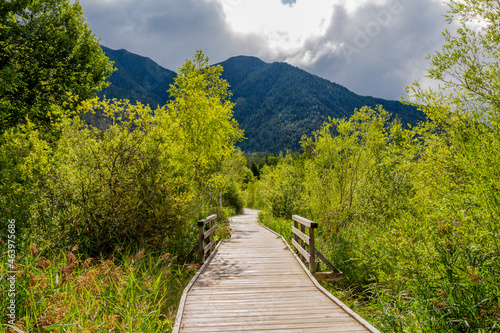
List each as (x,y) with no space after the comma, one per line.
(301,240)
(206,236)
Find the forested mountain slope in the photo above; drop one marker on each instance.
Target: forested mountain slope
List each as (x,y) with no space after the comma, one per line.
(137,78)
(276,103)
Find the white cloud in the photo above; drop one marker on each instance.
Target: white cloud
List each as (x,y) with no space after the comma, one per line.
(285,27)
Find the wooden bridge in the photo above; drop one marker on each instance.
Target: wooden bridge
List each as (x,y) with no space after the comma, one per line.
(255,283)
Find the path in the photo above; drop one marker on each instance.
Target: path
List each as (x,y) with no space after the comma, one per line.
(255,284)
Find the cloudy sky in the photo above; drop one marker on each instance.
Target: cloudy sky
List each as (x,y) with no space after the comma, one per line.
(373,47)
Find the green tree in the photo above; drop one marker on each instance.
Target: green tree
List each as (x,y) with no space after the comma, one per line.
(98,187)
(462,143)
(203,116)
(49,61)
(342,154)
(282,187)
(466,108)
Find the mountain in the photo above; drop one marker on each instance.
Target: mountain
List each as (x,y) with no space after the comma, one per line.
(276,103)
(137,78)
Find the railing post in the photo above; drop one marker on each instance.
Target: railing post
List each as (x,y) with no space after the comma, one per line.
(201,241)
(302,242)
(209,240)
(297,239)
(312,251)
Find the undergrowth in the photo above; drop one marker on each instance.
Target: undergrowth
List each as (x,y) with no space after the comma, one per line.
(410,279)
(128,291)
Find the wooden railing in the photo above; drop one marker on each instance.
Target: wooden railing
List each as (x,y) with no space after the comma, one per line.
(206,239)
(301,240)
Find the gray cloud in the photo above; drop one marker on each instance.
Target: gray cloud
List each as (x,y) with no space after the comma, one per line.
(168,32)
(380,49)
(376,50)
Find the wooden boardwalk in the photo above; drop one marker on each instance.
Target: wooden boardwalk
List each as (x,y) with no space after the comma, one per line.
(254,283)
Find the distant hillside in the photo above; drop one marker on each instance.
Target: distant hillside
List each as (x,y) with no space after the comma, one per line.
(137,79)
(276,103)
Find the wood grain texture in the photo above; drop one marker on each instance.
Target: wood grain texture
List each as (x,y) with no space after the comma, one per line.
(255,284)
(304,221)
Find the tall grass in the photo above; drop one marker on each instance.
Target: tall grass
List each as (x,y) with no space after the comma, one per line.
(128,291)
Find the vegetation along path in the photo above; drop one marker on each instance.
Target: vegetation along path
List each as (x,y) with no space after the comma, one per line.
(254,283)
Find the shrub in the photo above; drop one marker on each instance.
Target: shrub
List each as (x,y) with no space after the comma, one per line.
(233,197)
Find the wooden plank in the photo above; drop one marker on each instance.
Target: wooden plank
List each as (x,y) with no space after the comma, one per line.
(342,327)
(328,276)
(252,306)
(245,313)
(290,322)
(255,284)
(304,221)
(236,302)
(271,320)
(221,292)
(324,328)
(207,220)
(299,248)
(209,246)
(289,327)
(300,234)
(209,232)
(327,263)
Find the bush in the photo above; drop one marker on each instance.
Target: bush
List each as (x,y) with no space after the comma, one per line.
(282,187)
(99,187)
(121,183)
(410,217)
(233,197)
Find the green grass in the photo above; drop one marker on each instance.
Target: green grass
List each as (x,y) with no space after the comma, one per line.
(129,291)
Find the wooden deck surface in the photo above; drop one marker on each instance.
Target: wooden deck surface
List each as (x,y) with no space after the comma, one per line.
(255,284)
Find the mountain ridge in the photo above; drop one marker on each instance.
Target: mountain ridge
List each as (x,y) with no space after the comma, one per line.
(275,103)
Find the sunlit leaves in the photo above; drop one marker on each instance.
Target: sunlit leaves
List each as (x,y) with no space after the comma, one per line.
(201,113)
(47,54)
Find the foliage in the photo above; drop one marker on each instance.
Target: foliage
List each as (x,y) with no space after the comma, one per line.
(257,161)
(201,113)
(282,187)
(232,197)
(467,107)
(60,290)
(343,156)
(101,187)
(47,55)
(404,215)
